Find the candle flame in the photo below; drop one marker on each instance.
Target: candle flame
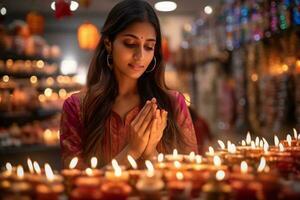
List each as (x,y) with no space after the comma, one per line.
(252,145)
(221,143)
(175,153)
(30,166)
(220,175)
(265,141)
(228,144)
(281,147)
(150,168)
(248,138)
(9,168)
(243,143)
(20,172)
(276,140)
(73,163)
(198,159)
(299,137)
(289,139)
(132,162)
(244,167)
(257,141)
(179,176)
(232,149)
(261,144)
(211,150)
(49,172)
(160,157)
(177,164)
(94,162)
(295,134)
(192,156)
(37,168)
(262,164)
(116,167)
(217,161)
(89,171)
(266,147)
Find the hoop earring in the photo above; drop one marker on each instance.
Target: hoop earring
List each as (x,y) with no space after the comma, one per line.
(107,61)
(153,66)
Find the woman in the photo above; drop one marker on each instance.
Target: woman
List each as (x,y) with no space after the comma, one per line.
(126,107)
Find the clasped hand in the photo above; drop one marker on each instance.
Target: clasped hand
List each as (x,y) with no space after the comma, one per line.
(146,130)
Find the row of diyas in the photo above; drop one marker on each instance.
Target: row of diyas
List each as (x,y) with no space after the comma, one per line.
(253,170)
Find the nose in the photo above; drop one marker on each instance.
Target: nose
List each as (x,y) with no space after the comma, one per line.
(139,53)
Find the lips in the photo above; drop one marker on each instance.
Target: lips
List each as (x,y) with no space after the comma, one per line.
(136,66)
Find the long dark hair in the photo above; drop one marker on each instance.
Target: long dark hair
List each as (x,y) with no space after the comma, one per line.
(102,87)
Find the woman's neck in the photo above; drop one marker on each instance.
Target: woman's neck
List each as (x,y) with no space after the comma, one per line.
(127,86)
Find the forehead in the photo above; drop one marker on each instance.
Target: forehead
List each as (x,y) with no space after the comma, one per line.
(143,30)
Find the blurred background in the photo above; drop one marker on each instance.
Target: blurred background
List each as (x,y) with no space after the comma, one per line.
(236,61)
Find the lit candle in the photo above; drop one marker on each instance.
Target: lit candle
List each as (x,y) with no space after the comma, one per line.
(179,188)
(33,177)
(217,188)
(70,174)
(150,184)
(174,157)
(160,164)
(93,171)
(116,174)
(52,188)
(134,173)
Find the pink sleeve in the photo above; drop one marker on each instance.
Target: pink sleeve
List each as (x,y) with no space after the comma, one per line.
(70,131)
(185,124)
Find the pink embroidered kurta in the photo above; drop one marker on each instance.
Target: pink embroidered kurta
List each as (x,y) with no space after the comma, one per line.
(116,131)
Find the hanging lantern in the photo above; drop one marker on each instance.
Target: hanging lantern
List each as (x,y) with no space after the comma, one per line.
(88,36)
(35,23)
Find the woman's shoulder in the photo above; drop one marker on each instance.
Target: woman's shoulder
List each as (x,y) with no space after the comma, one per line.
(75,98)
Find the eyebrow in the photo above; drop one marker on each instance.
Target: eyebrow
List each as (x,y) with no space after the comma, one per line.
(136,37)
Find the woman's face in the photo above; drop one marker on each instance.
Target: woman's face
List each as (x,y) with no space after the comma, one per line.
(133,50)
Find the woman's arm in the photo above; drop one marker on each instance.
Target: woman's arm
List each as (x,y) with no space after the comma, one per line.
(70,132)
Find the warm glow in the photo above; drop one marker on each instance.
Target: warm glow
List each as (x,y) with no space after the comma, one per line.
(244,167)
(266,146)
(253,145)
(262,164)
(50,81)
(132,162)
(192,156)
(160,157)
(254,77)
(261,144)
(211,151)
(217,161)
(116,167)
(175,153)
(94,162)
(9,63)
(220,175)
(281,147)
(40,64)
(244,143)
(62,93)
(36,167)
(295,133)
(276,140)
(89,171)
(177,164)
(257,141)
(232,149)
(198,159)
(88,36)
(179,176)
(289,139)
(30,166)
(42,98)
(48,92)
(20,172)
(5,78)
(73,163)
(248,138)
(285,67)
(150,168)
(228,144)
(49,172)
(33,79)
(221,143)
(208,10)
(9,168)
